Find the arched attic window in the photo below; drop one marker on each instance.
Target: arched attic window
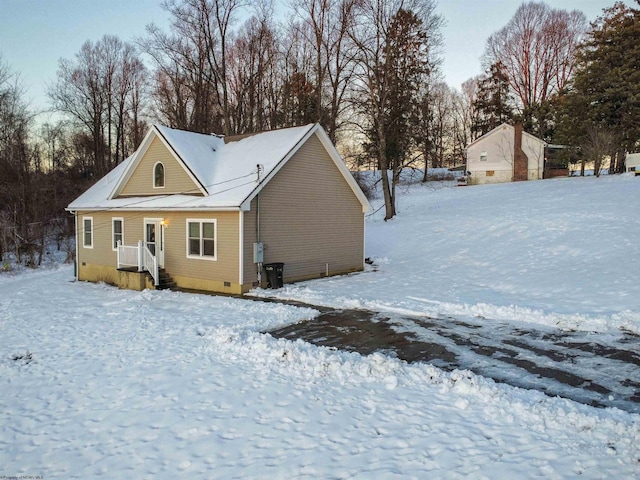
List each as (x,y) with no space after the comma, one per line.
(158,175)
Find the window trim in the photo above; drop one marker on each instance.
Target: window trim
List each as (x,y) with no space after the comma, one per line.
(164,175)
(113,232)
(84,238)
(200,221)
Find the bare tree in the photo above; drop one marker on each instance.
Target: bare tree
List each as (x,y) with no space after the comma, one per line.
(442,128)
(180,94)
(393,40)
(253,62)
(297,89)
(469,92)
(137,105)
(15,186)
(598,144)
(463,114)
(53,139)
(325,25)
(28,184)
(79,93)
(199,47)
(129,88)
(340,54)
(95,91)
(314,15)
(537,49)
(442,108)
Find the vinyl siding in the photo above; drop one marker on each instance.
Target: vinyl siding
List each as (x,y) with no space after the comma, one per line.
(250,269)
(309,218)
(98,264)
(177,179)
(101,253)
(224,269)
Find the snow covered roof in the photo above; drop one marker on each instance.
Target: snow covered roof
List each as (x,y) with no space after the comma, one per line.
(226,172)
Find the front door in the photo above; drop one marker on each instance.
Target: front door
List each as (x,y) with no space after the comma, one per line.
(154,238)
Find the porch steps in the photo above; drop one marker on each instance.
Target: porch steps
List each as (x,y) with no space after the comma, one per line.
(165,281)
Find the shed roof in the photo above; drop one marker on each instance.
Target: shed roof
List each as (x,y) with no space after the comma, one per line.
(229,174)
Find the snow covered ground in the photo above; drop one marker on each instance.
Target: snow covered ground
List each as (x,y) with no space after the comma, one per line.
(99,382)
(562,252)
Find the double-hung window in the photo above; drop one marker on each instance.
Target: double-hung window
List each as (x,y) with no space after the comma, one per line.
(201,239)
(87,232)
(117,230)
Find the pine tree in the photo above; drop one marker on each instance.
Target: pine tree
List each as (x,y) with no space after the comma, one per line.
(605,92)
(493,101)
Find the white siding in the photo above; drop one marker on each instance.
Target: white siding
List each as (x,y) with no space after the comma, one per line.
(498,146)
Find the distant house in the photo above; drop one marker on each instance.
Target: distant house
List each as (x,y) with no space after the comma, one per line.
(632,162)
(505,154)
(206,212)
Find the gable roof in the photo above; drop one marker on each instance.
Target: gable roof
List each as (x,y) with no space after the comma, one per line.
(226,173)
(500,127)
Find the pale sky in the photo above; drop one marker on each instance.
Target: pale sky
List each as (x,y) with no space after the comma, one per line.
(35,34)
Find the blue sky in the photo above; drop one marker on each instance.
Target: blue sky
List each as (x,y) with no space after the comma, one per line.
(34,34)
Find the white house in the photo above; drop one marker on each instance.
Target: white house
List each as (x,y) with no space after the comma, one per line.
(505,154)
(632,162)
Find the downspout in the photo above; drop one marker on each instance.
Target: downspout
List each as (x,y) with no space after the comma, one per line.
(364,237)
(258,226)
(541,157)
(241,249)
(76,264)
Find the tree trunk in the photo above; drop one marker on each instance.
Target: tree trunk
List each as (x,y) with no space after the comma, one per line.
(388,199)
(425,176)
(389,204)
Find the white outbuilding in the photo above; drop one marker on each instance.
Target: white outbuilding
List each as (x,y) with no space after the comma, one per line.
(632,162)
(505,154)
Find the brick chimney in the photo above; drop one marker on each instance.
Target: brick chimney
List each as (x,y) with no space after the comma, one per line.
(520,160)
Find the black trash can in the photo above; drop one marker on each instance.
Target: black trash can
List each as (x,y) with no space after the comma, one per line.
(274,274)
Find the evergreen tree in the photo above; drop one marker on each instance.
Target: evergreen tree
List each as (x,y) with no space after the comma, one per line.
(393,60)
(406,65)
(492,105)
(605,92)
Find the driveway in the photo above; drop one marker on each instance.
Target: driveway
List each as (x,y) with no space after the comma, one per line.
(602,370)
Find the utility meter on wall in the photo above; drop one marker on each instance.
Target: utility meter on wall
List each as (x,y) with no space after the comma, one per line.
(258,252)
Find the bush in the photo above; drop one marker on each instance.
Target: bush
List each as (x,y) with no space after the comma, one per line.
(441,176)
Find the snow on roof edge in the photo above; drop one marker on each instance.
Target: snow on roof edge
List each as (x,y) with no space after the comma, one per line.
(208,162)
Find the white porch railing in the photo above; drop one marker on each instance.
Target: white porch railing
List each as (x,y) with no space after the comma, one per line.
(139,256)
(128,256)
(150,264)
